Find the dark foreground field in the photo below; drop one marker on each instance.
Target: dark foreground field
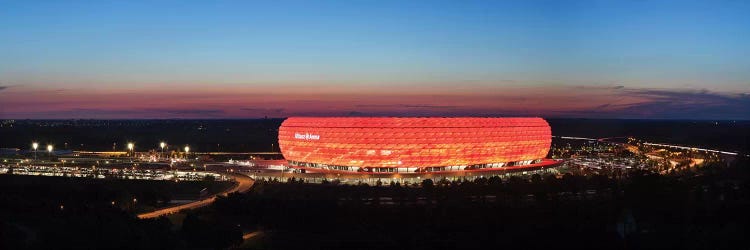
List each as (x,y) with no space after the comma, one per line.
(58,212)
(703,208)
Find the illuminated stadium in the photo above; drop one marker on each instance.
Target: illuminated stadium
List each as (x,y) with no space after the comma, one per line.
(419,145)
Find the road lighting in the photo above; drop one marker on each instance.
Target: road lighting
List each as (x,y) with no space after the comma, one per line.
(187,150)
(49,150)
(130,148)
(34,145)
(162,145)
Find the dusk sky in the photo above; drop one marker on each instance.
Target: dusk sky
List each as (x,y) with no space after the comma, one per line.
(250,59)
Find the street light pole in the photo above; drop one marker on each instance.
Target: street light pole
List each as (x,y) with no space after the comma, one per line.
(35,146)
(131,146)
(49,150)
(162,145)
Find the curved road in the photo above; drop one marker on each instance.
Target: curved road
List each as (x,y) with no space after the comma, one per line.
(244,184)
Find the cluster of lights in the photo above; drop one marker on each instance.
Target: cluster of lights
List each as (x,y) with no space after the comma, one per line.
(130,146)
(35,146)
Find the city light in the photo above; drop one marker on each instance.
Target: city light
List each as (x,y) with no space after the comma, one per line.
(131,146)
(187,149)
(34,145)
(49,149)
(162,145)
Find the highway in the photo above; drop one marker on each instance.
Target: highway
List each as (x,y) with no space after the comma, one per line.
(250,235)
(244,184)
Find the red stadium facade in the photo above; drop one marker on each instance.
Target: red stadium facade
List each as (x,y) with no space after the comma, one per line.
(390,145)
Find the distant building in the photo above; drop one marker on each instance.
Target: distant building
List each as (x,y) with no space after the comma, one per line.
(9,151)
(391,145)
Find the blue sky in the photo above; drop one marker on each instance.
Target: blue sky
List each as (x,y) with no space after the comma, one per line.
(71,51)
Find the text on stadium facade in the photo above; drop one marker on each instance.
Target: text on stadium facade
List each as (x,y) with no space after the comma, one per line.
(306,136)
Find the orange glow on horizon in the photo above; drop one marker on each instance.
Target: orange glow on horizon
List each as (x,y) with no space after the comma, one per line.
(238,101)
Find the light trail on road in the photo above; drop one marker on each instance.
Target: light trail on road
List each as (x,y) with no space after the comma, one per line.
(690,148)
(244,183)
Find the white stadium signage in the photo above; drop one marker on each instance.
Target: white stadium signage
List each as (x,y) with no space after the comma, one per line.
(306,136)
